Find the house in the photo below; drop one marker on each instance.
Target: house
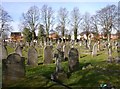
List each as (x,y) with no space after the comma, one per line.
(53,34)
(87,35)
(16,37)
(114,36)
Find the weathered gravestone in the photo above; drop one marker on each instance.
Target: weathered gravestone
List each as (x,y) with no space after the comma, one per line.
(13,68)
(94,50)
(4,52)
(60,46)
(48,54)
(73,59)
(118,52)
(32,57)
(59,74)
(18,50)
(110,59)
(59,57)
(66,49)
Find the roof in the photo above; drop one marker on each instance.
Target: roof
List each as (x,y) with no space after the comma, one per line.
(82,33)
(16,33)
(52,31)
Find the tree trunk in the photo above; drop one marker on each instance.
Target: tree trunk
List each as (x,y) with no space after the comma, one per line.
(75,34)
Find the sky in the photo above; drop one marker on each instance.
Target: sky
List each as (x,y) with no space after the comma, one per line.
(15,9)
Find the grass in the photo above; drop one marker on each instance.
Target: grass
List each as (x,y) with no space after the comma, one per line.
(96,71)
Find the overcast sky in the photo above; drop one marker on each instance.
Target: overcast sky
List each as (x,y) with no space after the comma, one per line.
(15,9)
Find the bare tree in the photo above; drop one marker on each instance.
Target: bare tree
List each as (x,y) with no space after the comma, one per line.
(47,17)
(5,20)
(41,33)
(31,20)
(63,19)
(75,20)
(94,23)
(116,23)
(86,26)
(106,18)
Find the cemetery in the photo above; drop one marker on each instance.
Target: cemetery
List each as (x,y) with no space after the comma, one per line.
(47,66)
(60,49)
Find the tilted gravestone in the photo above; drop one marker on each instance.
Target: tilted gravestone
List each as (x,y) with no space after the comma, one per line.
(18,50)
(4,52)
(73,60)
(13,68)
(32,57)
(94,50)
(48,54)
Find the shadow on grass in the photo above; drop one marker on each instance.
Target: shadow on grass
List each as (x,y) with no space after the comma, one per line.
(93,77)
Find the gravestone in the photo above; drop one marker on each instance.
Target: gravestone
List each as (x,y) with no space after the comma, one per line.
(59,73)
(13,68)
(66,49)
(98,45)
(18,50)
(59,57)
(110,59)
(4,52)
(32,57)
(118,49)
(48,54)
(94,50)
(73,59)
(60,46)
(118,53)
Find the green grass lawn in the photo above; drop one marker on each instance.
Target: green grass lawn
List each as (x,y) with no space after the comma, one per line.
(96,71)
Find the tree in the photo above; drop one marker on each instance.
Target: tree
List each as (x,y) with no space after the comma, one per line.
(94,23)
(75,20)
(86,26)
(27,35)
(5,20)
(95,26)
(41,33)
(47,17)
(106,18)
(31,20)
(63,19)
(86,23)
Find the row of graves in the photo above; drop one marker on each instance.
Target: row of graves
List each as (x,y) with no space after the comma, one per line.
(13,65)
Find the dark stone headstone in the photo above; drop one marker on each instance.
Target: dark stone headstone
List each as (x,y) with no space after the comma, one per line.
(32,57)
(48,54)
(73,60)
(118,52)
(13,68)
